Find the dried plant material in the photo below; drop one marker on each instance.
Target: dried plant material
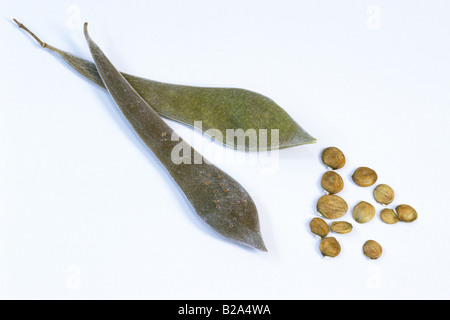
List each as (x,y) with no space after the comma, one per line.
(319,227)
(331,206)
(364,177)
(341,227)
(372,249)
(389,216)
(333,158)
(222,203)
(383,194)
(363,212)
(330,247)
(406,213)
(332,182)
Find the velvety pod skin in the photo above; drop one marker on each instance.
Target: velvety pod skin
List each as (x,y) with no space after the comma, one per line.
(217,108)
(219,200)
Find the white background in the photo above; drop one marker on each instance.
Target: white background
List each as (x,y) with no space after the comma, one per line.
(86,211)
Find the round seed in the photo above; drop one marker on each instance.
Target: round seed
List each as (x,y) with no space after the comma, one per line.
(389,216)
(332,182)
(363,212)
(319,227)
(383,194)
(333,158)
(330,247)
(331,206)
(364,177)
(341,227)
(372,249)
(406,213)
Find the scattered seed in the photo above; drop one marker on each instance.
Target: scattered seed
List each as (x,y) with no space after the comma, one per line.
(363,212)
(319,227)
(331,206)
(332,182)
(333,158)
(383,194)
(330,247)
(341,227)
(372,249)
(389,216)
(364,177)
(406,213)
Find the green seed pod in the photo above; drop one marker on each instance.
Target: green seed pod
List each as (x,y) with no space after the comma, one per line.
(364,177)
(332,182)
(389,216)
(406,213)
(330,247)
(332,206)
(363,212)
(383,194)
(372,249)
(333,158)
(341,227)
(319,227)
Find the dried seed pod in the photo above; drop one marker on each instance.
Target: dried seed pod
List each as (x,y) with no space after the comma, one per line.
(364,177)
(319,227)
(333,158)
(389,216)
(406,213)
(383,194)
(331,206)
(332,182)
(341,227)
(372,249)
(330,247)
(363,212)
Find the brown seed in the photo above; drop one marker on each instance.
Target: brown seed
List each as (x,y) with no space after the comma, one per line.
(331,206)
(406,213)
(341,227)
(389,216)
(383,194)
(363,212)
(332,182)
(333,158)
(372,249)
(330,247)
(364,177)
(319,227)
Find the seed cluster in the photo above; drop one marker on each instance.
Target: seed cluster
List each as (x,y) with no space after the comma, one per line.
(331,206)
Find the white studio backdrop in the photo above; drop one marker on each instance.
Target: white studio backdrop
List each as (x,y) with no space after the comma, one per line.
(86,211)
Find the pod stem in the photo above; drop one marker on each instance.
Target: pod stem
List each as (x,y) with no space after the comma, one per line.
(41,43)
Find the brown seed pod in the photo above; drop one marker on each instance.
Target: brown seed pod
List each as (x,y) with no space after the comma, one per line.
(363,212)
(332,182)
(333,158)
(389,216)
(406,213)
(383,194)
(341,227)
(319,227)
(330,247)
(331,206)
(364,177)
(372,249)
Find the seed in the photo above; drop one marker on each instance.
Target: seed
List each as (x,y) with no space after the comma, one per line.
(372,249)
(330,247)
(332,182)
(341,227)
(331,206)
(364,177)
(333,158)
(363,212)
(319,227)
(389,216)
(406,213)
(383,194)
